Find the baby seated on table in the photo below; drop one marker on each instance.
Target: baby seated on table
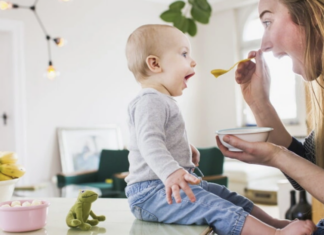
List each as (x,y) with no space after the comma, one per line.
(161,157)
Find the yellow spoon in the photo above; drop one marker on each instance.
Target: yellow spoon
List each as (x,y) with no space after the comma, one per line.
(219,72)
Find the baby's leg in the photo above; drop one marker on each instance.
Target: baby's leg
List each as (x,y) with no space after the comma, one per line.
(253,226)
(228,195)
(264,217)
(243,202)
(222,215)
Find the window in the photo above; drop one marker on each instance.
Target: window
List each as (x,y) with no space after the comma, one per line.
(284,83)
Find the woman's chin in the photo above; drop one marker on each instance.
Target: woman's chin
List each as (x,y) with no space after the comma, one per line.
(300,72)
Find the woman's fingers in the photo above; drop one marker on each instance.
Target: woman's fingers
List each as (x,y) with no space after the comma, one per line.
(225,150)
(244,72)
(250,70)
(263,153)
(259,62)
(245,155)
(261,65)
(252,54)
(247,147)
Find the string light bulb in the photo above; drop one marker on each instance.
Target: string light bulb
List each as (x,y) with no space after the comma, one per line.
(60,42)
(5,5)
(51,72)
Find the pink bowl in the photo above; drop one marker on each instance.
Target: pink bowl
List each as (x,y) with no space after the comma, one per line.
(23,219)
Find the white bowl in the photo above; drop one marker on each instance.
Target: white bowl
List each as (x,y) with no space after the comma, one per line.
(251,134)
(6,188)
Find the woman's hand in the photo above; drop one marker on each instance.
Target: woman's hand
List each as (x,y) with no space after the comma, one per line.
(263,153)
(254,79)
(305,173)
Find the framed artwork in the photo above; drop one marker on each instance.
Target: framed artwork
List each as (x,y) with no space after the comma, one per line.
(80,148)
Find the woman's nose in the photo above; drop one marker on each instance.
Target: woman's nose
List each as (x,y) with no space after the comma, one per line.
(266,44)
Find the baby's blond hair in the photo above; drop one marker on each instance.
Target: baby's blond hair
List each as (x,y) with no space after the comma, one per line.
(144,41)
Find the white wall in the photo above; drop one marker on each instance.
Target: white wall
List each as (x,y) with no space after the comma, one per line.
(95,86)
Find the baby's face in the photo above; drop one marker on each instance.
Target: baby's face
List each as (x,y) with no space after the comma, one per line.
(176,62)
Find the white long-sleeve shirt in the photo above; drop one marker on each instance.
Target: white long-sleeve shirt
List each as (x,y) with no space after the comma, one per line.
(158,140)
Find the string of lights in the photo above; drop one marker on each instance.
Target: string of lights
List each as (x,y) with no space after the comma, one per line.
(51,72)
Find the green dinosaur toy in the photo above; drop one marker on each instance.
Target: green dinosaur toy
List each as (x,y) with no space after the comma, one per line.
(80,211)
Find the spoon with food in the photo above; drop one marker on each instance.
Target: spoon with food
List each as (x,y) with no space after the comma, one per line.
(219,72)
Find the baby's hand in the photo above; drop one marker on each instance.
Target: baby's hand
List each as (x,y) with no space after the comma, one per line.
(179,180)
(298,227)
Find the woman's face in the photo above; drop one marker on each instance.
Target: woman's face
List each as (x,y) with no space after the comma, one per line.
(281,35)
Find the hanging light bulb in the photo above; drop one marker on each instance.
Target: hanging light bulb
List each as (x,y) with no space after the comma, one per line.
(60,42)
(51,73)
(5,5)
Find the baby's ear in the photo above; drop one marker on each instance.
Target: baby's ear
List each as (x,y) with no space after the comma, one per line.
(153,63)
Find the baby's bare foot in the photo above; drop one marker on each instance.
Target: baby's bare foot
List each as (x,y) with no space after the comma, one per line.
(297,227)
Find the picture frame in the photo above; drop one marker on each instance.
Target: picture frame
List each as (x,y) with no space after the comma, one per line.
(80,148)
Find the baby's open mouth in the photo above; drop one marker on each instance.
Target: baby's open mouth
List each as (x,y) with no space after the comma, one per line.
(189,76)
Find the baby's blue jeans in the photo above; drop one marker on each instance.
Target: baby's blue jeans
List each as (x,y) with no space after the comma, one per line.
(215,205)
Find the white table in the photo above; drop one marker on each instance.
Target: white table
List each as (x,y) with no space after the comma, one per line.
(119,221)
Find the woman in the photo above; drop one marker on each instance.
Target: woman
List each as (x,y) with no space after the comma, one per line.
(293,28)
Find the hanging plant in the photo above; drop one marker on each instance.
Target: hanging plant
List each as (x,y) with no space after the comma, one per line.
(178,14)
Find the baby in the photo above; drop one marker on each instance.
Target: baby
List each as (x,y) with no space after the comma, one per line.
(161,157)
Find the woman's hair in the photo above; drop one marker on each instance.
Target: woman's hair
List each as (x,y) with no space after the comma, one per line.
(310,14)
(144,41)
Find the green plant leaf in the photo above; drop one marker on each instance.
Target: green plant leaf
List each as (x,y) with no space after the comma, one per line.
(178,5)
(170,15)
(200,15)
(204,5)
(192,27)
(181,23)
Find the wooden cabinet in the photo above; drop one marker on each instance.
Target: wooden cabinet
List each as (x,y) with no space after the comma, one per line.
(317,210)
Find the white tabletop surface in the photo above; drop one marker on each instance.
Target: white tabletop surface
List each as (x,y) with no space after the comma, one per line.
(119,220)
